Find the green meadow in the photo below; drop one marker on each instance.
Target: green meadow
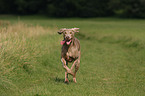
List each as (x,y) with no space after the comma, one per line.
(112,57)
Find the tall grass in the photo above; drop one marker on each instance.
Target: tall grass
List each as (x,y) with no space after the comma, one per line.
(19,50)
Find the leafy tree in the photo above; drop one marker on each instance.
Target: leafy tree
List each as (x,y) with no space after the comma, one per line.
(75,8)
(128,8)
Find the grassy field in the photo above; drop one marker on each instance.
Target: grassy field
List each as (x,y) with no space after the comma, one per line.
(112,57)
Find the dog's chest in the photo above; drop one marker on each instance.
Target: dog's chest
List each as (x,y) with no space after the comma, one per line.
(72,52)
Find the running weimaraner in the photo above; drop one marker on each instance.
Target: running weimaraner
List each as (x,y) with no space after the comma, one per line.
(70,52)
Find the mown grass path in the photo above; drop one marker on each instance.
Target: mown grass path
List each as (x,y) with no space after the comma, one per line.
(112,59)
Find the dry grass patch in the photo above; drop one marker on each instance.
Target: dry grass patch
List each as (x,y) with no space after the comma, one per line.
(19,49)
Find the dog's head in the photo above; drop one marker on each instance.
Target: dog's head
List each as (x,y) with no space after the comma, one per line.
(68,34)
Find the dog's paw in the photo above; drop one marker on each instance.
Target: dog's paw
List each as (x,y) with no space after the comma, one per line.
(66,81)
(74,79)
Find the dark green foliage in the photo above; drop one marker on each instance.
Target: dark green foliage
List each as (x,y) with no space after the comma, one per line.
(128,8)
(75,8)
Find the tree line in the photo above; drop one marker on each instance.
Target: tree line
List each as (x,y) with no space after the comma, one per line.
(75,8)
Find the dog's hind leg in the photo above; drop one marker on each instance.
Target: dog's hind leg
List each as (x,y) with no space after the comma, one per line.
(66,77)
(77,65)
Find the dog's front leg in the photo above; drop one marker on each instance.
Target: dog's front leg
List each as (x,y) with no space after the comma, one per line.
(65,67)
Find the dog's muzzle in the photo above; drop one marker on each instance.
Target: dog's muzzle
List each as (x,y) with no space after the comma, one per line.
(68,42)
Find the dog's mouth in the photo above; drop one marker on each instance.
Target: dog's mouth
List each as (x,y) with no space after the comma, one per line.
(66,41)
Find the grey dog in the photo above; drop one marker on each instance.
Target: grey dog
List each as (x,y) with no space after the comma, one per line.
(70,52)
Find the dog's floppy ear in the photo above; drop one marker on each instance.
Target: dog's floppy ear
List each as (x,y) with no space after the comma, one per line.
(76,29)
(61,30)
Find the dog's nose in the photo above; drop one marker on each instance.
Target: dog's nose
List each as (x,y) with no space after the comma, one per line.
(67,37)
